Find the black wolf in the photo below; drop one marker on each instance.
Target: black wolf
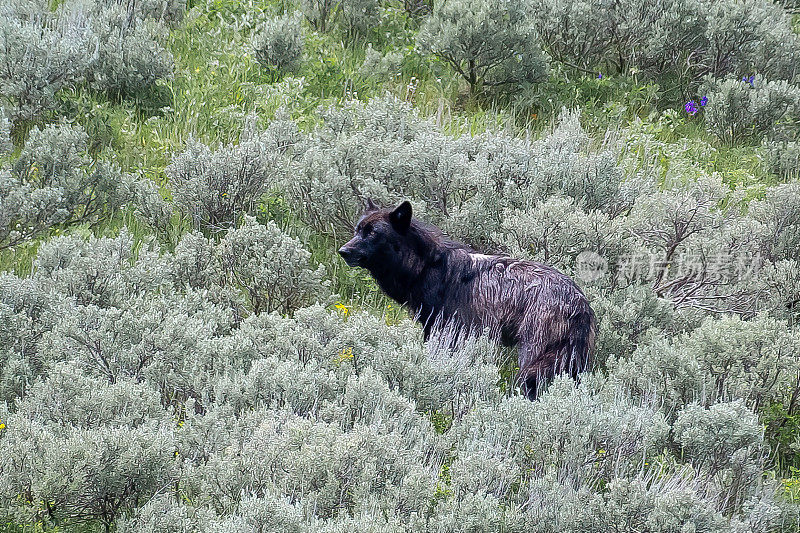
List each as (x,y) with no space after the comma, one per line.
(446,283)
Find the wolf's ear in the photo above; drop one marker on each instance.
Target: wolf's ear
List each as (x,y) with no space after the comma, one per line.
(370,205)
(401,217)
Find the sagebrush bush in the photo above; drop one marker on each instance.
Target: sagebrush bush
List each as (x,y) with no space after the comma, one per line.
(562,199)
(214,387)
(377,66)
(119,467)
(783,158)
(725,359)
(42,52)
(216,187)
(279,45)
(55,183)
(130,58)
(491,45)
(672,41)
(273,268)
(739,111)
(5,133)
(383,150)
(105,45)
(360,17)
(320,13)
(168,11)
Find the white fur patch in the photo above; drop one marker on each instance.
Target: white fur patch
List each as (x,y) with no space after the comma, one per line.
(476,258)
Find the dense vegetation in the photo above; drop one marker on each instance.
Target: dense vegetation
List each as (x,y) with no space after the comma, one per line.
(181,349)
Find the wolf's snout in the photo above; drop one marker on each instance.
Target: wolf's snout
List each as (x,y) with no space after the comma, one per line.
(348,255)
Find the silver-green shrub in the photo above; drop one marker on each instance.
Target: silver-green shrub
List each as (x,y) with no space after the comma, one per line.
(27,312)
(738,111)
(674,40)
(329,470)
(359,17)
(321,14)
(139,388)
(663,505)
(723,359)
(279,45)
(726,441)
(322,421)
(163,514)
(273,268)
(102,272)
(167,11)
(105,45)
(5,133)
(380,67)
(130,57)
(467,185)
(41,53)
(491,45)
(631,316)
(55,183)
(782,158)
(216,187)
(776,221)
(70,398)
(66,474)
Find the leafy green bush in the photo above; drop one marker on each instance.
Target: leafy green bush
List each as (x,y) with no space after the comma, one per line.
(491,45)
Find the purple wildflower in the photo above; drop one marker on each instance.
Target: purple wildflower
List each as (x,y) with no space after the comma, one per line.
(600,76)
(703,101)
(691,107)
(749,79)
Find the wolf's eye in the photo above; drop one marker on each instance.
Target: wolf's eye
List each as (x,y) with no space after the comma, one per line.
(366,230)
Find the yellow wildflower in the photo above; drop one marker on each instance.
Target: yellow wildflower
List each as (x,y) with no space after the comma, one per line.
(343,308)
(345,354)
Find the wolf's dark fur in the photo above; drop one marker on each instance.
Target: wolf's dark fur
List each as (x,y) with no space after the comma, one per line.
(443,282)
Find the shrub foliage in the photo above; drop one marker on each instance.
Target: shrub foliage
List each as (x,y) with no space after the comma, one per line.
(197,358)
(212,386)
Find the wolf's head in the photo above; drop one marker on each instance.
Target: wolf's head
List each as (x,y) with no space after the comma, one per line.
(380,239)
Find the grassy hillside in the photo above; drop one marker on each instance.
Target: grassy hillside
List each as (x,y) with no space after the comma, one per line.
(182,349)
